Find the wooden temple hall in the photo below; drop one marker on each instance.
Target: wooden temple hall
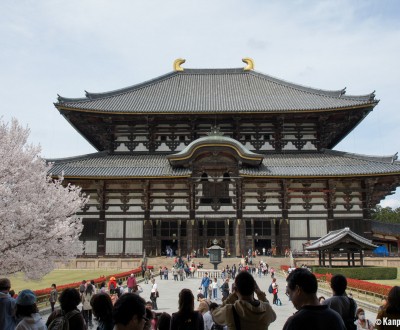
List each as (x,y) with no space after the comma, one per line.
(229,154)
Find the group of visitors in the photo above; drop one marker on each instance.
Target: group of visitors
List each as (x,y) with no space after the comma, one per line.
(239,308)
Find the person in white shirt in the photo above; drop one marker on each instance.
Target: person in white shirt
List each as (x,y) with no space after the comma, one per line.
(207,317)
(154,294)
(215,289)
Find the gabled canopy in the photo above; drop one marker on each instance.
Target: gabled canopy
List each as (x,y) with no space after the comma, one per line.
(342,238)
(214,143)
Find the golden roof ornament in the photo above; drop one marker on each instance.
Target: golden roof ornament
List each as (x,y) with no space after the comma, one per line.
(249,62)
(177,64)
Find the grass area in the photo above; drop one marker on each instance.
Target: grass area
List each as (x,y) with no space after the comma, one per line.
(388,282)
(59,277)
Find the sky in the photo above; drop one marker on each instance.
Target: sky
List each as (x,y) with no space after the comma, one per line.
(51,47)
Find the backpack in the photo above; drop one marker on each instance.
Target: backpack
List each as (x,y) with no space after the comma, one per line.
(278,302)
(270,289)
(349,320)
(61,322)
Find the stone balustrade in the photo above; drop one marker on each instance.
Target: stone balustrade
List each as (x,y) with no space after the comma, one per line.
(211,273)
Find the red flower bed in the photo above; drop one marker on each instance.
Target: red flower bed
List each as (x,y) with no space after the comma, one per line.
(359,284)
(353,283)
(98,280)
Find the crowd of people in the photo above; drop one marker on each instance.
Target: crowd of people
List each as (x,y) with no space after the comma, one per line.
(121,308)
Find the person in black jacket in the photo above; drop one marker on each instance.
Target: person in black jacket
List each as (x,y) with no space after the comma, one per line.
(302,290)
(187,318)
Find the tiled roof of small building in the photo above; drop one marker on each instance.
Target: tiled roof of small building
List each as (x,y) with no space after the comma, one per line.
(211,90)
(313,164)
(385,228)
(334,237)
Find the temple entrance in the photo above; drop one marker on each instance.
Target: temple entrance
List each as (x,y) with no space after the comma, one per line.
(169,247)
(262,243)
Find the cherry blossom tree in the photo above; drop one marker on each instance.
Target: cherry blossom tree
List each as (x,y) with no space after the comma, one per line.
(38,222)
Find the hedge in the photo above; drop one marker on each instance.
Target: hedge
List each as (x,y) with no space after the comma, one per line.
(360,273)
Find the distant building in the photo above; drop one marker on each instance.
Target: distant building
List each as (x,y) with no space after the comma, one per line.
(231,154)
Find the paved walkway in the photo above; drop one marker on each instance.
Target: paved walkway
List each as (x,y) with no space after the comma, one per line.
(169,290)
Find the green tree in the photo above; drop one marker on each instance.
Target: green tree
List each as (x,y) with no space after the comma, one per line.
(386,214)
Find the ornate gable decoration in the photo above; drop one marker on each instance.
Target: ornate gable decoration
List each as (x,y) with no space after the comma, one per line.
(215,144)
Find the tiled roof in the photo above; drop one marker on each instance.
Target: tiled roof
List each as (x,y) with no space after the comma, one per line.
(327,163)
(210,90)
(385,228)
(335,236)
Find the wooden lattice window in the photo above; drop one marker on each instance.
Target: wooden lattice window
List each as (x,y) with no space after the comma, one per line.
(215,192)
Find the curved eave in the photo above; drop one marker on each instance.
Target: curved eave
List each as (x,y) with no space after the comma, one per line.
(93,143)
(319,176)
(61,107)
(337,245)
(158,177)
(189,175)
(187,154)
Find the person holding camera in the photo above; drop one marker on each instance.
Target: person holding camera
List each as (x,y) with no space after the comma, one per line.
(241,311)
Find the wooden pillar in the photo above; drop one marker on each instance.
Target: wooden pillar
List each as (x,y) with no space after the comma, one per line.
(237,238)
(252,235)
(189,236)
(319,258)
(158,238)
(273,232)
(330,258)
(147,237)
(227,240)
(179,238)
(352,259)
(204,239)
(398,247)
(323,258)
(348,259)
(361,258)
(101,237)
(239,215)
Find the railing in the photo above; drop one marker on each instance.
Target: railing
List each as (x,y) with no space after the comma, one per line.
(211,273)
(43,295)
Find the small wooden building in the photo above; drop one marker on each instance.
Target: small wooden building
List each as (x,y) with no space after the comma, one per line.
(341,242)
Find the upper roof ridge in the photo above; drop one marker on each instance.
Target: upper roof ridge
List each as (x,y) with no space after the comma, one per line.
(340,93)
(79,157)
(381,159)
(93,96)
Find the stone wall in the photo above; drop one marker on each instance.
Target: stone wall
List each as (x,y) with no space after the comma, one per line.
(103,263)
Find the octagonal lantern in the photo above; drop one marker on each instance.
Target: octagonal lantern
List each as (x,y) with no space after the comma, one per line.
(215,252)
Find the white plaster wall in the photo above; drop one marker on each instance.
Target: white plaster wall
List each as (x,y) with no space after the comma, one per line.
(91,247)
(114,247)
(318,228)
(134,247)
(298,228)
(115,229)
(134,229)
